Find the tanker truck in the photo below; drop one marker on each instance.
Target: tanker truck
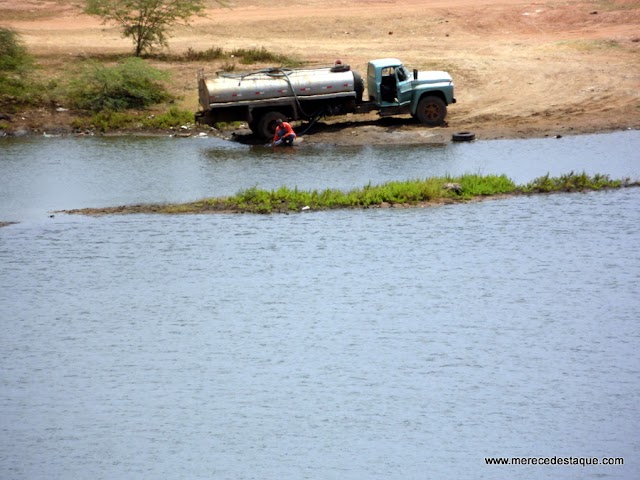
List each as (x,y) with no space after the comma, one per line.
(262,97)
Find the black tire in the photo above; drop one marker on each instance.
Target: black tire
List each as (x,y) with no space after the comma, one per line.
(463,137)
(266,126)
(431,111)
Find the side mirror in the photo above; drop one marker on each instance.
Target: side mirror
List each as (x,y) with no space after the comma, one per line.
(415,73)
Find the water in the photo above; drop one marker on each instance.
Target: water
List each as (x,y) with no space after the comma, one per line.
(43,174)
(382,344)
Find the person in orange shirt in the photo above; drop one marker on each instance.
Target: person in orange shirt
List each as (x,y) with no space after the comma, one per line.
(284,133)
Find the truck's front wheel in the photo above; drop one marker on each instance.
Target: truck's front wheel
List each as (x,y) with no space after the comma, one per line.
(266,126)
(431,111)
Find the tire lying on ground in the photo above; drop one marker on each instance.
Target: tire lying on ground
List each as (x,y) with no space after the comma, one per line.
(463,137)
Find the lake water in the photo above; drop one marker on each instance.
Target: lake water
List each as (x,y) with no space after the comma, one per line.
(43,174)
(377,344)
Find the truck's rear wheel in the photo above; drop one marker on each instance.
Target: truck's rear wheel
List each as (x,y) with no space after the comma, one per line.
(431,111)
(266,126)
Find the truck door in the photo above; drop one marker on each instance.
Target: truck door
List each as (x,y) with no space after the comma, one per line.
(388,86)
(403,80)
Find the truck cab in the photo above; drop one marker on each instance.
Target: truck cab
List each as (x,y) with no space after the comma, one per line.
(394,90)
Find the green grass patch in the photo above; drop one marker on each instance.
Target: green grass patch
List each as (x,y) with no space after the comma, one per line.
(287,199)
(106,121)
(473,185)
(446,189)
(571,182)
(170,119)
(410,192)
(109,120)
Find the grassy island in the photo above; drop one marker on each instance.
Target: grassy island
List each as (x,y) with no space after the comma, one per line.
(430,191)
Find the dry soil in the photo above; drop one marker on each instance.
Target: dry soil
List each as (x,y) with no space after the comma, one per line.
(521,68)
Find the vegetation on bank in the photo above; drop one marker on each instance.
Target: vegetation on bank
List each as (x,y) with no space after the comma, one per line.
(106,93)
(434,190)
(92,87)
(17,84)
(108,120)
(129,84)
(246,56)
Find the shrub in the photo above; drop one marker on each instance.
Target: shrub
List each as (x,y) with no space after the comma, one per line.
(129,84)
(213,53)
(262,55)
(16,65)
(13,55)
(228,67)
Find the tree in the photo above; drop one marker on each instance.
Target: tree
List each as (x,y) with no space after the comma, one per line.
(146,21)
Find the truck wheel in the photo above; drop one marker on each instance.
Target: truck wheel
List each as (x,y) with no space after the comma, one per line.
(431,111)
(267,124)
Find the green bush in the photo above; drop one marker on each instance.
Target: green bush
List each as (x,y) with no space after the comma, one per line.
(129,84)
(16,65)
(13,55)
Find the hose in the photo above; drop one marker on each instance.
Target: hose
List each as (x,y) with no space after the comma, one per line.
(312,122)
(281,72)
(293,90)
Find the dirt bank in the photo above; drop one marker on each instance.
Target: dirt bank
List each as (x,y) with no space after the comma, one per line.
(521,68)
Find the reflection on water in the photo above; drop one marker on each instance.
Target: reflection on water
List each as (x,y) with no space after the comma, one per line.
(381,344)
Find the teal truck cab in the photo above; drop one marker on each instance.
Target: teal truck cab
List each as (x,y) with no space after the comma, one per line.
(394,90)
(263,97)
